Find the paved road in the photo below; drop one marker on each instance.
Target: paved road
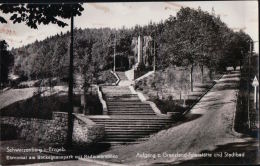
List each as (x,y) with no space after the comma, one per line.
(209,126)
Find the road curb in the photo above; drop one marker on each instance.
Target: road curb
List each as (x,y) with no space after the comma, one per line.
(215,82)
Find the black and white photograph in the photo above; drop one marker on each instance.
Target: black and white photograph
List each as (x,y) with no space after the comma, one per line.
(152,83)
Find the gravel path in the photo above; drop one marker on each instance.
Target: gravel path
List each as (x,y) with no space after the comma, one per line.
(210,123)
(13,95)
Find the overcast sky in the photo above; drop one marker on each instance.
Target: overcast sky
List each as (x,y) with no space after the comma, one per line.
(236,14)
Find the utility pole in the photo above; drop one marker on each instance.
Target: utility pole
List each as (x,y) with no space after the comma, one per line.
(154,55)
(248,85)
(115,54)
(1,65)
(70,91)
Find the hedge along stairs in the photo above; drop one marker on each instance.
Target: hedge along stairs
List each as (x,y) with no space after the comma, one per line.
(129,118)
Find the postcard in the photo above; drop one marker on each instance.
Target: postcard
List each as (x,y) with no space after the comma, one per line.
(129,83)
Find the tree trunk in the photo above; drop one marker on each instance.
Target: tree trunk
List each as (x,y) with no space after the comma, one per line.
(240,65)
(154,63)
(191,78)
(70,91)
(202,73)
(0,66)
(184,101)
(83,102)
(234,68)
(210,74)
(83,96)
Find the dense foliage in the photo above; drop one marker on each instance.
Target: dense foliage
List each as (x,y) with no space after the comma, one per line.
(193,37)
(6,62)
(33,14)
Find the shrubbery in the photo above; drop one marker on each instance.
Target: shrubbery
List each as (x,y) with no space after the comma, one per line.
(169,106)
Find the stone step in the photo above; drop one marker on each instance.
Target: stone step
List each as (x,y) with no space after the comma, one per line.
(124,136)
(122,104)
(118,113)
(136,127)
(154,128)
(141,125)
(125,108)
(133,99)
(119,139)
(115,88)
(129,135)
(116,124)
(123,121)
(118,131)
(131,130)
(115,93)
(118,110)
(132,119)
(122,97)
(129,107)
(116,143)
(132,111)
(129,122)
(127,103)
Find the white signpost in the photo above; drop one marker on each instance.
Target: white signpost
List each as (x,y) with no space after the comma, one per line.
(255,83)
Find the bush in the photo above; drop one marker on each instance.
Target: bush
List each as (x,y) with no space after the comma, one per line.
(106,77)
(8,132)
(93,105)
(168,106)
(39,107)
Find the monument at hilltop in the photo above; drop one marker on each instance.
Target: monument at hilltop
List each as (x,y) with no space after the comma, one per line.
(143,52)
(143,55)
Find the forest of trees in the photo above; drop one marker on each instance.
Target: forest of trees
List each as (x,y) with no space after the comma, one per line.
(6,62)
(193,37)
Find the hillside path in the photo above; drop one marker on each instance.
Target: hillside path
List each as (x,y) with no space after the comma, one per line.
(208,124)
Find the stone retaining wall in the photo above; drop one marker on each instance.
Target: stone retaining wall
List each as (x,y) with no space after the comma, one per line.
(54,132)
(86,132)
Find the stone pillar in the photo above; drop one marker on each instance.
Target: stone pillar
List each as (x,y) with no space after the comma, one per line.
(140,50)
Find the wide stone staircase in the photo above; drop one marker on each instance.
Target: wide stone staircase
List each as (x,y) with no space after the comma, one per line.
(130,120)
(131,129)
(120,101)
